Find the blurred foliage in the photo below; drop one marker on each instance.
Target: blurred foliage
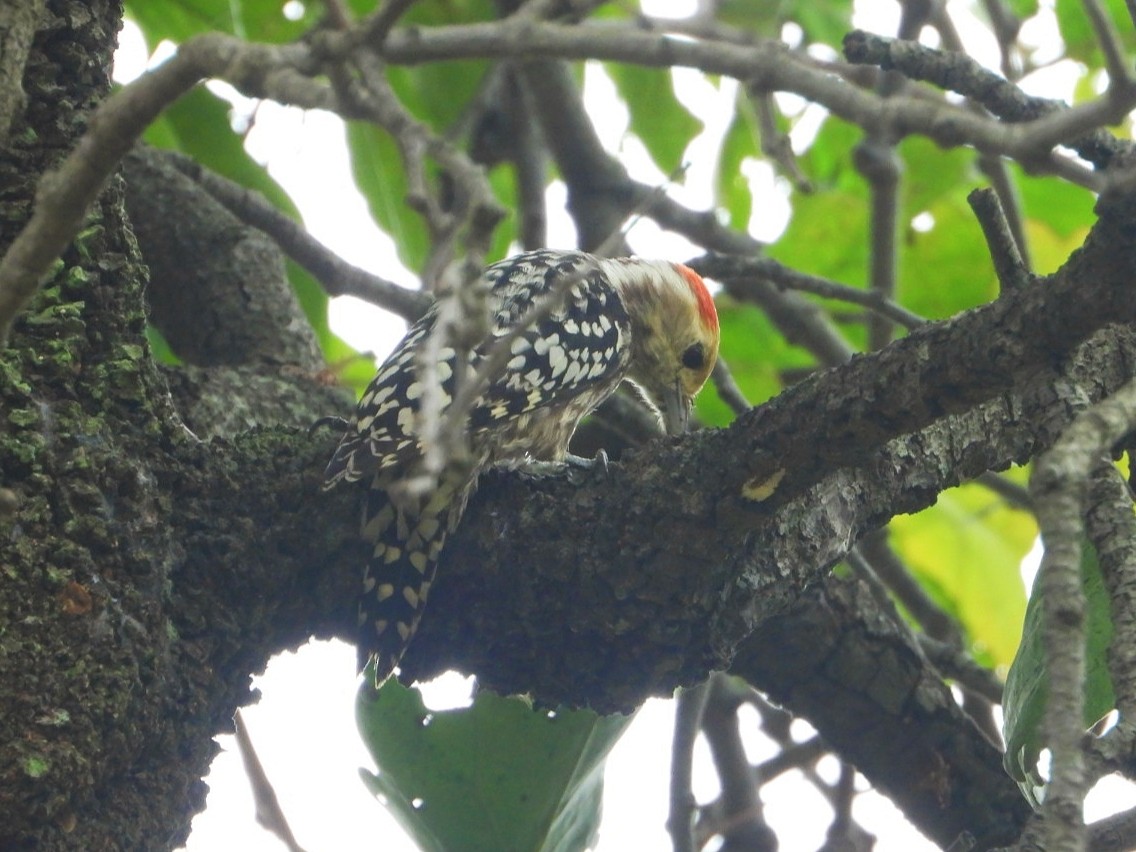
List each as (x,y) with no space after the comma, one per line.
(1077,32)
(966,550)
(656,116)
(256,20)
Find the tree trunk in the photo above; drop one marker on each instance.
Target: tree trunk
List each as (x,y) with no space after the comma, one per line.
(162,533)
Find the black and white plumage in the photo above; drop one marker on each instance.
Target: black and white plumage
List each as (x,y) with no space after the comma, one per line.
(650,322)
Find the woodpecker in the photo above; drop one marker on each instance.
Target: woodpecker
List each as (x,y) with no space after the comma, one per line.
(651,323)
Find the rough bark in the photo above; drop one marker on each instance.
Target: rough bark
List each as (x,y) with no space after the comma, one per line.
(117,670)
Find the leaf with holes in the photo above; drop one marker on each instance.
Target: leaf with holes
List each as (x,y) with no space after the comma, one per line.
(498,775)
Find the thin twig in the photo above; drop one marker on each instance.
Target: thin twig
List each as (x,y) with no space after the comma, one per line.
(379,25)
(960,666)
(960,73)
(727,388)
(801,756)
(993,167)
(733,271)
(876,159)
(1006,26)
(998,173)
(268,811)
(1119,77)
(775,144)
(473,207)
(337,276)
(688,720)
(743,818)
(1016,495)
(772,67)
(1008,264)
(66,193)
(530,160)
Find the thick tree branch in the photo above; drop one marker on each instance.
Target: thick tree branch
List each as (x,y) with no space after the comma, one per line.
(335,275)
(65,195)
(648,598)
(855,672)
(200,560)
(843,473)
(17,29)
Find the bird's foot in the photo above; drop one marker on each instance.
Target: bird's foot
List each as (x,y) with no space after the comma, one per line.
(582,463)
(339,423)
(571,465)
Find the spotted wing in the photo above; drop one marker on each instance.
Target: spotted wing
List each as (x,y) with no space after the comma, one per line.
(574,350)
(382,434)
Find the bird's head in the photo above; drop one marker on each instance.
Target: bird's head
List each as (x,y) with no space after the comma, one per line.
(674,334)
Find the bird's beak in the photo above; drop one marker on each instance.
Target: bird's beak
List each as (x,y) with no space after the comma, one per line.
(676,410)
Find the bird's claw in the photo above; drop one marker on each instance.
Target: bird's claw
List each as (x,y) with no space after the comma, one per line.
(339,423)
(571,466)
(582,463)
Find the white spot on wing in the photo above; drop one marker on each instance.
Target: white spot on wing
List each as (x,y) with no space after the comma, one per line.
(406,420)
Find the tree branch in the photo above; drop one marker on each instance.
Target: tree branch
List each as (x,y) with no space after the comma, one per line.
(65,194)
(844,473)
(769,66)
(1059,485)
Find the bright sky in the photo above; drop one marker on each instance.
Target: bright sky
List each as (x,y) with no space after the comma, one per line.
(303,727)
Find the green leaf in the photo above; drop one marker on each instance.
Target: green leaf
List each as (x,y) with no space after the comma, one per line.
(159,348)
(948,268)
(759,16)
(1048,249)
(739,143)
(499,776)
(966,551)
(827,236)
(1027,685)
(259,20)
(377,165)
(1064,207)
(827,231)
(828,160)
(1080,41)
(931,173)
(438,93)
(757,354)
(657,117)
(1023,8)
(821,22)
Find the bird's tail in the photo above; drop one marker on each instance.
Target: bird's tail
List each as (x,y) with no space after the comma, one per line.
(407,536)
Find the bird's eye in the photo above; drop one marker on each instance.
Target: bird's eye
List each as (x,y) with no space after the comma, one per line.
(694,358)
